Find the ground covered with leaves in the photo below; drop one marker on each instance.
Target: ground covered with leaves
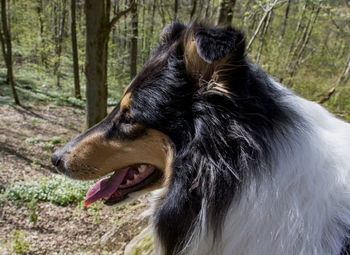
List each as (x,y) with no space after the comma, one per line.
(42,212)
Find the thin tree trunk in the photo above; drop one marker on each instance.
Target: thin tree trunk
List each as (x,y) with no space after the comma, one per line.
(257,29)
(226,11)
(41,30)
(297,29)
(7,50)
(302,15)
(193,10)
(176,9)
(162,13)
(114,30)
(284,26)
(75,51)
(344,76)
(151,28)
(133,49)
(144,34)
(59,41)
(262,36)
(304,43)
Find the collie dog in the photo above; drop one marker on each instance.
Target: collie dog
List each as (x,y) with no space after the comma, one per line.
(241,164)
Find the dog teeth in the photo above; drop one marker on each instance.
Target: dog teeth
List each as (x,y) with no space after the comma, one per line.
(128,182)
(136,176)
(142,168)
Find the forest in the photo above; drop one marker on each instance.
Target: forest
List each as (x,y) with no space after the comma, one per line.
(64,65)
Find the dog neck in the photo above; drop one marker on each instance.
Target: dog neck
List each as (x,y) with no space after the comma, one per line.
(297,206)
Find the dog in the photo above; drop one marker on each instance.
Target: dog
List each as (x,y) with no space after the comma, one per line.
(240,163)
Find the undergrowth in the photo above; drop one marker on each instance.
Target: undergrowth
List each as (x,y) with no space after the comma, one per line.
(58,190)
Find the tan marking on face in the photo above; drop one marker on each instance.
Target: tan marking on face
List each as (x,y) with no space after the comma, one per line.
(96,156)
(126,101)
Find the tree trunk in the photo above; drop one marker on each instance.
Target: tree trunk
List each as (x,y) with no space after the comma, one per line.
(75,51)
(226,11)
(284,26)
(297,29)
(262,36)
(98,27)
(176,9)
(5,38)
(193,10)
(96,61)
(154,6)
(41,30)
(133,49)
(305,41)
(59,41)
(344,76)
(257,29)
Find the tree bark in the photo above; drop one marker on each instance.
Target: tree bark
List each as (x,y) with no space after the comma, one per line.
(226,11)
(193,10)
(96,61)
(284,26)
(262,36)
(176,9)
(41,30)
(5,38)
(98,28)
(133,49)
(75,51)
(59,41)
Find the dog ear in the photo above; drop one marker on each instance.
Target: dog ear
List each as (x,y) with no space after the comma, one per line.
(208,50)
(172,31)
(213,44)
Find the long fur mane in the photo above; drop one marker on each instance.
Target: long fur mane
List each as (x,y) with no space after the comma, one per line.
(261,171)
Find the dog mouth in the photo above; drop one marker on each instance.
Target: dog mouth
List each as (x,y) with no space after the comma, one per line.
(116,188)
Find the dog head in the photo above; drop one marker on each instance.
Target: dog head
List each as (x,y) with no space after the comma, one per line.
(139,140)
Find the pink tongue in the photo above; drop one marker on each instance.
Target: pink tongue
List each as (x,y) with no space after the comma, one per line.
(105,187)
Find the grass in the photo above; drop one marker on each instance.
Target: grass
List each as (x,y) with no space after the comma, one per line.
(58,190)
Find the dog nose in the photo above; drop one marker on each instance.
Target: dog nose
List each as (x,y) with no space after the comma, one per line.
(56,159)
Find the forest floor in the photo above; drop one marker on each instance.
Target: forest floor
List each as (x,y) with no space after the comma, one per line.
(28,136)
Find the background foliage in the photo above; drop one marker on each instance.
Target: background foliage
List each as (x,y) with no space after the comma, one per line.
(310,66)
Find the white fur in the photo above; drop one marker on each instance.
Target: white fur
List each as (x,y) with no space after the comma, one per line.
(303,206)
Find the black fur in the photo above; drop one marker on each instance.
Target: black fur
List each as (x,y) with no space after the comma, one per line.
(218,138)
(216,43)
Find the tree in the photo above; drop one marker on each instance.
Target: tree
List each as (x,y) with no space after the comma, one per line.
(5,38)
(133,48)
(226,11)
(59,33)
(98,27)
(267,14)
(75,51)
(176,9)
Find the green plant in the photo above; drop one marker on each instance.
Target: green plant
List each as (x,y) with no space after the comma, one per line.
(18,242)
(58,190)
(33,211)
